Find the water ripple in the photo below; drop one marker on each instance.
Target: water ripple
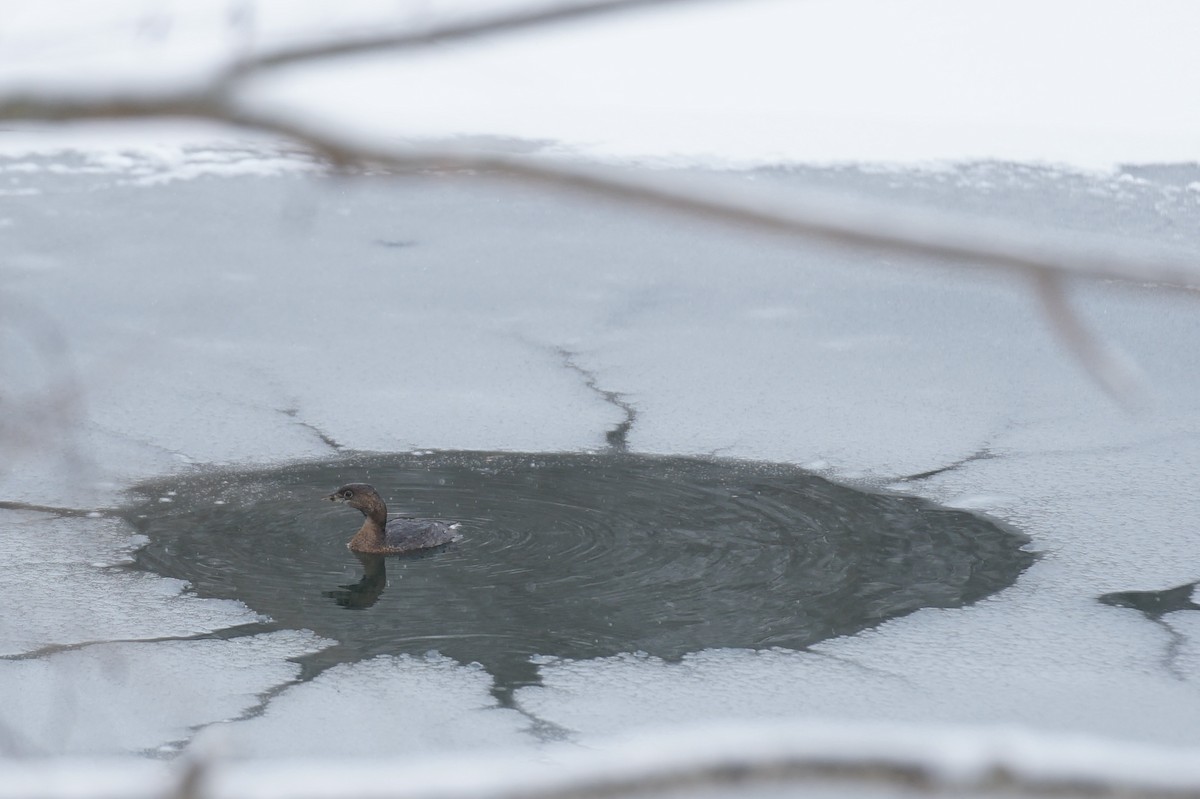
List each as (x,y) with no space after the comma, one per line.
(573,555)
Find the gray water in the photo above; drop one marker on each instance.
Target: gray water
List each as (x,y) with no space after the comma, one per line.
(571,555)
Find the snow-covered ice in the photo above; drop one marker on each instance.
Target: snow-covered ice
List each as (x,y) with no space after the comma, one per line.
(82,594)
(217,303)
(382,707)
(131,698)
(876,369)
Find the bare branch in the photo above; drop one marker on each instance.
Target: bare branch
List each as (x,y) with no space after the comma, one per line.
(507,22)
(772,758)
(1115,374)
(45,105)
(32,418)
(809,215)
(858,223)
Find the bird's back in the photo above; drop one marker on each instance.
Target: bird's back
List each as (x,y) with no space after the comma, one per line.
(406,535)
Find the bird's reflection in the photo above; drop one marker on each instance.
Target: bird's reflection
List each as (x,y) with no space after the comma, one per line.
(367,590)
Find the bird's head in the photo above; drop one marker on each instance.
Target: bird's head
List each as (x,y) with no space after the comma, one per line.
(357,495)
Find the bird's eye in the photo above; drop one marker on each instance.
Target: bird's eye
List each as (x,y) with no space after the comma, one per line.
(347,494)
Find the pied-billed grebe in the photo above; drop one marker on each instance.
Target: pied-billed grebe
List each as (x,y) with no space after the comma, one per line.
(381,537)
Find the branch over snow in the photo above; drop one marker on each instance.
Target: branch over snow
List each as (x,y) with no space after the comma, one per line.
(814,216)
(787,757)
(508,22)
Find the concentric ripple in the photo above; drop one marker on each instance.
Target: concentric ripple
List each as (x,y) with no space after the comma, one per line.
(572,555)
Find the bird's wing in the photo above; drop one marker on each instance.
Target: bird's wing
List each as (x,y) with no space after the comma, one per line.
(420,533)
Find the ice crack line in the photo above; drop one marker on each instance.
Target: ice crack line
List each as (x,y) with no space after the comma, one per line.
(262,701)
(855,664)
(617,437)
(543,730)
(1175,642)
(1155,605)
(93,513)
(982,455)
(328,440)
(223,634)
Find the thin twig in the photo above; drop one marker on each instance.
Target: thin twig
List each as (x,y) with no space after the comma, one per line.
(48,105)
(771,758)
(810,215)
(32,418)
(1113,372)
(807,214)
(507,22)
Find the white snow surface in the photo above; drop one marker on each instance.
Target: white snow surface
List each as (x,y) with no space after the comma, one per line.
(82,594)
(220,321)
(401,707)
(135,698)
(819,757)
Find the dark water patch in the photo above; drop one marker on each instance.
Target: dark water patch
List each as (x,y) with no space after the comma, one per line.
(1154,604)
(573,555)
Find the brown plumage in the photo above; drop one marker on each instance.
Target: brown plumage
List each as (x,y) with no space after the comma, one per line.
(382,537)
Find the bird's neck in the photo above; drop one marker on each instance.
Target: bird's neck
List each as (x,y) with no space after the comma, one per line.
(369,536)
(376,515)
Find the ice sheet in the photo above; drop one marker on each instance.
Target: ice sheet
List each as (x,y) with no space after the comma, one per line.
(263,319)
(383,707)
(130,698)
(65,584)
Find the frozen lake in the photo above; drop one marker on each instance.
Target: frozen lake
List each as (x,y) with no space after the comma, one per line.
(161,329)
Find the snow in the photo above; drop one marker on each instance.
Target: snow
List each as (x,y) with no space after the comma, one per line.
(82,594)
(127,697)
(385,707)
(760,760)
(214,300)
(869,368)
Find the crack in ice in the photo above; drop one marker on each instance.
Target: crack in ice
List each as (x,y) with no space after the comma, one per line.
(328,440)
(618,436)
(120,434)
(223,634)
(262,701)
(1156,606)
(92,513)
(1175,641)
(873,670)
(981,454)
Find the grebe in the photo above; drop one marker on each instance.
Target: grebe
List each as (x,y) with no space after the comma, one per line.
(379,536)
